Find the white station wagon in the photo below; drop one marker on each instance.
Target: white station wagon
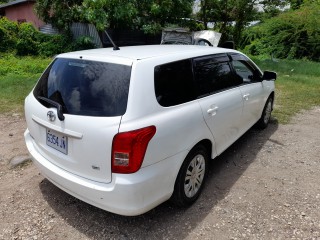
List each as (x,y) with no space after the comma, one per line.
(125,130)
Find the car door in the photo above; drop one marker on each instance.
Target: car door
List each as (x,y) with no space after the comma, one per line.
(219,97)
(252,90)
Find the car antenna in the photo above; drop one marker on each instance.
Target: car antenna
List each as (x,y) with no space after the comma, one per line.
(115,47)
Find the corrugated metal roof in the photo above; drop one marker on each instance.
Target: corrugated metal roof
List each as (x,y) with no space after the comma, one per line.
(11,3)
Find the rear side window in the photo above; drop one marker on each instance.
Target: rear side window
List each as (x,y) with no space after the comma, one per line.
(174,83)
(213,74)
(86,87)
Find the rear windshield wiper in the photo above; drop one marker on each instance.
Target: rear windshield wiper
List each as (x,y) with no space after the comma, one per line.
(55,104)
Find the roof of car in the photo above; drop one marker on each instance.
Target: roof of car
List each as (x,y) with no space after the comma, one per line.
(144,52)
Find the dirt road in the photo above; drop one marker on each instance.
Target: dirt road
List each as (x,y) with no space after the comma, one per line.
(265,186)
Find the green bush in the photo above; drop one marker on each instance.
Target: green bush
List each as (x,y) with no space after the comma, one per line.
(25,40)
(83,43)
(26,47)
(8,34)
(292,34)
(50,45)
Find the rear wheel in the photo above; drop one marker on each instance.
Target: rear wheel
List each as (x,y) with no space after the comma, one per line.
(191,177)
(266,114)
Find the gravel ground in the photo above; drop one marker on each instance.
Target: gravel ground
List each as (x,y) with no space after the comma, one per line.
(265,186)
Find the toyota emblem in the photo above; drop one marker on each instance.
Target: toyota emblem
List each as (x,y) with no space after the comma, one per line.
(51,116)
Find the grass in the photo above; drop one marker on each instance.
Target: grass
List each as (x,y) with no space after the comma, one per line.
(297,86)
(17,77)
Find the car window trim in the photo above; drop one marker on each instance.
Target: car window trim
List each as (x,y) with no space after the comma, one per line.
(219,57)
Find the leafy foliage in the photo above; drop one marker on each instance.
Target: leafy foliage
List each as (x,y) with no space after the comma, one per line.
(225,13)
(58,12)
(49,45)
(8,34)
(92,12)
(26,43)
(292,34)
(83,43)
(24,39)
(121,14)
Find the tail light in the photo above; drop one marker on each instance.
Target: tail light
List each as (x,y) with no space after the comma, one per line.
(129,148)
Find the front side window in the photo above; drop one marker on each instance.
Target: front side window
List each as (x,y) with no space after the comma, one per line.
(245,68)
(213,75)
(174,83)
(243,71)
(86,87)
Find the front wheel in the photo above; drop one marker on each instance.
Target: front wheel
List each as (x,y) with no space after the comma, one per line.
(266,114)
(191,177)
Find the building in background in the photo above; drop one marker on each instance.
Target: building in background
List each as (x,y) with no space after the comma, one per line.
(21,11)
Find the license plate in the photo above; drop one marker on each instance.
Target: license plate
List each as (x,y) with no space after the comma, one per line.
(57,141)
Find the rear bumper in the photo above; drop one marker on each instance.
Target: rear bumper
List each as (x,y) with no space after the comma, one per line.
(127,194)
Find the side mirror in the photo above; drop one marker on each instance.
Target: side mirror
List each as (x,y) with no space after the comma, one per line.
(268,75)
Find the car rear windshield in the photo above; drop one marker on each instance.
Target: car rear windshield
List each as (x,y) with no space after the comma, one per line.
(86,88)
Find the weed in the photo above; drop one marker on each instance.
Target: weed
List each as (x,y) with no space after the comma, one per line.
(17,77)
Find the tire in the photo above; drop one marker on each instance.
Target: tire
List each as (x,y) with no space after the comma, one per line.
(191,177)
(266,114)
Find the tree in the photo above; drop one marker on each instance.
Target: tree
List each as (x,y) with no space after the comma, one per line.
(229,16)
(138,14)
(60,13)
(149,15)
(272,8)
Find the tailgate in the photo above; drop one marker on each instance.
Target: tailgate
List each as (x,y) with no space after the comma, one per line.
(80,145)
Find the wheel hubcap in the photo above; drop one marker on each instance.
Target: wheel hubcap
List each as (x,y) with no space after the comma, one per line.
(194,176)
(267,114)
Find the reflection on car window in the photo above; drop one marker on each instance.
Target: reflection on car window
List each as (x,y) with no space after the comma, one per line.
(86,87)
(213,76)
(243,71)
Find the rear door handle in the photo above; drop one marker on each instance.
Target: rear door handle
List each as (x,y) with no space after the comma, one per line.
(246,96)
(212,111)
